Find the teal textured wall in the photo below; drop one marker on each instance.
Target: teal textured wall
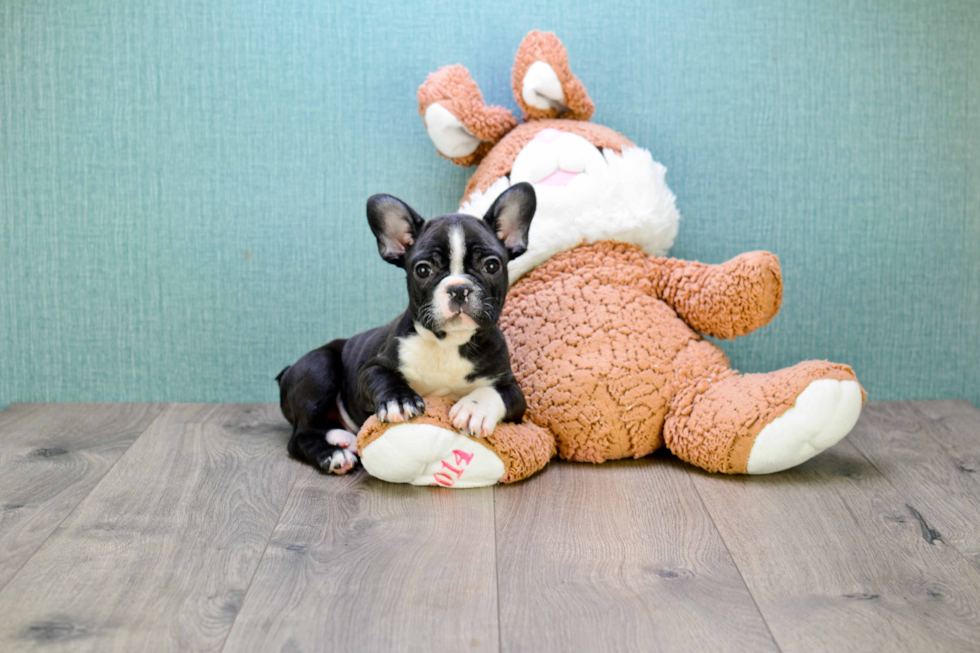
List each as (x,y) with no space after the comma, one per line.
(182,182)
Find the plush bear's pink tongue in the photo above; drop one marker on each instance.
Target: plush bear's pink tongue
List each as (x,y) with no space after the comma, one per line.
(559,178)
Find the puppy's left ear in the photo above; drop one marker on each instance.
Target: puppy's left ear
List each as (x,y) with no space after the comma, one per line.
(395,224)
(510,217)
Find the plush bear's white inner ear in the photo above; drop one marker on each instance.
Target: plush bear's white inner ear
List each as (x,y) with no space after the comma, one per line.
(541,88)
(448,133)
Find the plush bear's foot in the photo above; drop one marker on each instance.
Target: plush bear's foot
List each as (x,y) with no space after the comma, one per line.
(823,414)
(429,451)
(761,423)
(424,454)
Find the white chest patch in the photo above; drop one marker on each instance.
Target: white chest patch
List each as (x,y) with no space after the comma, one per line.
(434,367)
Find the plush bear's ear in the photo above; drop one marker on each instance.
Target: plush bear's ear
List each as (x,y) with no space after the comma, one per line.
(461,125)
(544,85)
(395,224)
(510,217)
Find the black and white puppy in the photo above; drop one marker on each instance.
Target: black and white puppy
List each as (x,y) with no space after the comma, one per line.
(446,343)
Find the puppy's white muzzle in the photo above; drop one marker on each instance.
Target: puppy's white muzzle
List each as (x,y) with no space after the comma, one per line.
(457,296)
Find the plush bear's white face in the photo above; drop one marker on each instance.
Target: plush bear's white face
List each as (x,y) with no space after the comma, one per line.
(555,159)
(584,195)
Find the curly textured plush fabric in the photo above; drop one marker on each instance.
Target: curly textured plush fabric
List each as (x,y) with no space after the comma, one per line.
(523,448)
(602,347)
(454,89)
(546,47)
(725,301)
(499,161)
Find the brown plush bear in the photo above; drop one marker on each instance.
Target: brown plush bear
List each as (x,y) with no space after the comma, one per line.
(605,333)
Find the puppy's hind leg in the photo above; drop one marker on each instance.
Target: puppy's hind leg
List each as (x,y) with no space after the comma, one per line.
(307,394)
(329,450)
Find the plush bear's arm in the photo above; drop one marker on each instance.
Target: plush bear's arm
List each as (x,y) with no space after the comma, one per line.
(726,300)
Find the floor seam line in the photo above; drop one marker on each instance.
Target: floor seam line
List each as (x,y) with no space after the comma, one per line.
(738,569)
(82,500)
(258,566)
(496,569)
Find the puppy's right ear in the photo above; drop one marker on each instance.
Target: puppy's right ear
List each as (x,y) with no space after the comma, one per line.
(395,224)
(510,217)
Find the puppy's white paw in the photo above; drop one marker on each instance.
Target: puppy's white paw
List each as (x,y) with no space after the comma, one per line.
(401,409)
(341,461)
(343,439)
(477,413)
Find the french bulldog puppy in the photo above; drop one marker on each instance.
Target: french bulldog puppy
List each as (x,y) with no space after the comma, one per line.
(446,343)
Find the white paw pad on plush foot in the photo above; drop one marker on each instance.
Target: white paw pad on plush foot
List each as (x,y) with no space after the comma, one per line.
(823,414)
(478,412)
(422,454)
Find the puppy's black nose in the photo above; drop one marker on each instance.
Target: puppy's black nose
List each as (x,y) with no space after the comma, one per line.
(458,293)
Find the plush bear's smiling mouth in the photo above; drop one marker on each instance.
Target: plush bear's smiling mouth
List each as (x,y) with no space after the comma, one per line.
(559,178)
(555,158)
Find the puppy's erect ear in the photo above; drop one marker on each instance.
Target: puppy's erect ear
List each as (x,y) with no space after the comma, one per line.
(543,83)
(510,217)
(395,224)
(461,125)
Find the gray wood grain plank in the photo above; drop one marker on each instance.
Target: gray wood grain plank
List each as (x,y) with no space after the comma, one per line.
(357,564)
(838,560)
(956,426)
(51,456)
(618,557)
(907,447)
(160,553)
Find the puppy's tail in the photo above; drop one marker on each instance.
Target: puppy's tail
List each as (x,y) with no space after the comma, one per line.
(279,376)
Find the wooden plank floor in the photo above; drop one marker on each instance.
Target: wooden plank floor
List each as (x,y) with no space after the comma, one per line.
(185,527)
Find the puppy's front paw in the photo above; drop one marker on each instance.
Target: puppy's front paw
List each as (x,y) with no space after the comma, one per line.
(343,439)
(477,413)
(400,408)
(338,461)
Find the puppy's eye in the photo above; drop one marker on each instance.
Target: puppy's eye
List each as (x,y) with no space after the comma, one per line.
(491,266)
(422,270)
